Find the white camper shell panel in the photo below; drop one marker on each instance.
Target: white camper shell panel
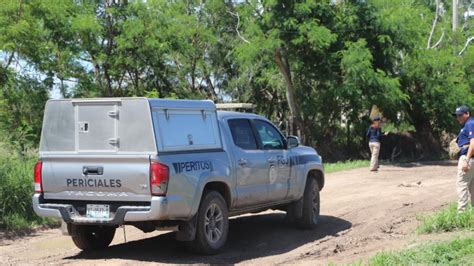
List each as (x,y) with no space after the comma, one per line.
(97,126)
(84,126)
(186,130)
(185,125)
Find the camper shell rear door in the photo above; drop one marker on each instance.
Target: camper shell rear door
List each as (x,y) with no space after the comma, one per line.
(97,149)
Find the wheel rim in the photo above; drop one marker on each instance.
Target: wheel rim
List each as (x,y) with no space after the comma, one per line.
(213,223)
(315,203)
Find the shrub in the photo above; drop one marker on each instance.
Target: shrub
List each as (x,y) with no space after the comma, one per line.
(456,252)
(447,220)
(16,189)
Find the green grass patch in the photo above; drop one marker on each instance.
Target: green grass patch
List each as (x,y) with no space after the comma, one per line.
(455,252)
(447,220)
(16,190)
(347,165)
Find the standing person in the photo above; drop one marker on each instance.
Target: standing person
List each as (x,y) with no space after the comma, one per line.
(374,133)
(465,141)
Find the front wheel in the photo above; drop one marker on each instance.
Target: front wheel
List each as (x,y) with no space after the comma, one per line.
(212,224)
(310,217)
(91,237)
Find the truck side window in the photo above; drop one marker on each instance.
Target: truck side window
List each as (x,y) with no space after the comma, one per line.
(242,134)
(270,137)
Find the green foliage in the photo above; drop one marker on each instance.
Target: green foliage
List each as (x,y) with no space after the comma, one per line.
(363,85)
(398,128)
(447,220)
(22,102)
(456,252)
(347,165)
(16,190)
(341,60)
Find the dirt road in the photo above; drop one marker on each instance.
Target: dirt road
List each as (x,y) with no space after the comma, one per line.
(362,213)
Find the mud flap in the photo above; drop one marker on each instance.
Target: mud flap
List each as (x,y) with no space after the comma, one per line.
(295,210)
(65,228)
(187,230)
(70,228)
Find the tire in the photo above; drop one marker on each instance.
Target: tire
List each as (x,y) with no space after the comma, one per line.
(90,237)
(212,224)
(311,203)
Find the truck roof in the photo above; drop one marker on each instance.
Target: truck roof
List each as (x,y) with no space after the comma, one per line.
(224,114)
(181,104)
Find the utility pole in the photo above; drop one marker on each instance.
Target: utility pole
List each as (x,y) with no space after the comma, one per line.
(455,14)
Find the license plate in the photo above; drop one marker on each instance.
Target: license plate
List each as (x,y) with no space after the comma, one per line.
(97,211)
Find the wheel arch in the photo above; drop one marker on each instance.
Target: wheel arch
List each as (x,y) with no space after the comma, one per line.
(216,183)
(317,174)
(220,187)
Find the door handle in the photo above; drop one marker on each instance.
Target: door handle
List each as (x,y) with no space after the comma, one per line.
(93,170)
(271,161)
(114,141)
(242,162)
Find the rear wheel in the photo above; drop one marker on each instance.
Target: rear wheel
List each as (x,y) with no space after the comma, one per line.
(91,237)
(310,217)
(212,224)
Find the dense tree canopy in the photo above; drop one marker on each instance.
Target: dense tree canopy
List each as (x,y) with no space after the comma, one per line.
(322,65)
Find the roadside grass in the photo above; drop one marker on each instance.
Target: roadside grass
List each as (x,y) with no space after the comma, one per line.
(347,165)
(446,220)
(455,252)
(16,189)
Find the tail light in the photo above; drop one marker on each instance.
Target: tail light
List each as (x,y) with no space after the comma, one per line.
(38,177)
(159,177)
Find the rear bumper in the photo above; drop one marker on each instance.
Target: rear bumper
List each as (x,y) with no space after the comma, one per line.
(158,210)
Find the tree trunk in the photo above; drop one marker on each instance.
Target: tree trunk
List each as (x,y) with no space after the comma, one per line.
(284,67)
(455,14)
(429,140)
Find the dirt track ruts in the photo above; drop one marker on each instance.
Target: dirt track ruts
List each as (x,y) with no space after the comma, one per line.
(362,213)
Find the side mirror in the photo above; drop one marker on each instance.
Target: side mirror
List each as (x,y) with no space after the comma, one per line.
(292,142)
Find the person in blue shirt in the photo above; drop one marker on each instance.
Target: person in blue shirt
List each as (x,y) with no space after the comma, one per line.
(465,173)
(374,134)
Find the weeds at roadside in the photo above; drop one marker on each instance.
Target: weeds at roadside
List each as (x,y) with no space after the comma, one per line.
(447,220)
(347,165)
(16,189)
(456,252)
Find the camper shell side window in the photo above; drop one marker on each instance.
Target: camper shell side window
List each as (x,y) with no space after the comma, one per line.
(185,129)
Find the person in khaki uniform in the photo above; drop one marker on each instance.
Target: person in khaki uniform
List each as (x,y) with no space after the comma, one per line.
(374,133)
(465,173)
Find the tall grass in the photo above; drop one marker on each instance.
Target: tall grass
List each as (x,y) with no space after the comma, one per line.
(456,252)
(16,189)
(347,165)
(447,219)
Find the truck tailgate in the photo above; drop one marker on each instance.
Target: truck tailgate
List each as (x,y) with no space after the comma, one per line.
(97,178)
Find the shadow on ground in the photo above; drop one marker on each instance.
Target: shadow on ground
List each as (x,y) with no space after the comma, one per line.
(249,237)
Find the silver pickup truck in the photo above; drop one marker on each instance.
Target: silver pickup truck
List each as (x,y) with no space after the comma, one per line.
(175,164)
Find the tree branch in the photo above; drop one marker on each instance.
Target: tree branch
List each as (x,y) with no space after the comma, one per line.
(439,41)
(283,65)
(435,21)
(9,60)
(469,40)
(238,24)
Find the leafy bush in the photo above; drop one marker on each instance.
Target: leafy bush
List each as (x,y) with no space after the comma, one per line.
(16,189)
(456,252)
(448,219)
